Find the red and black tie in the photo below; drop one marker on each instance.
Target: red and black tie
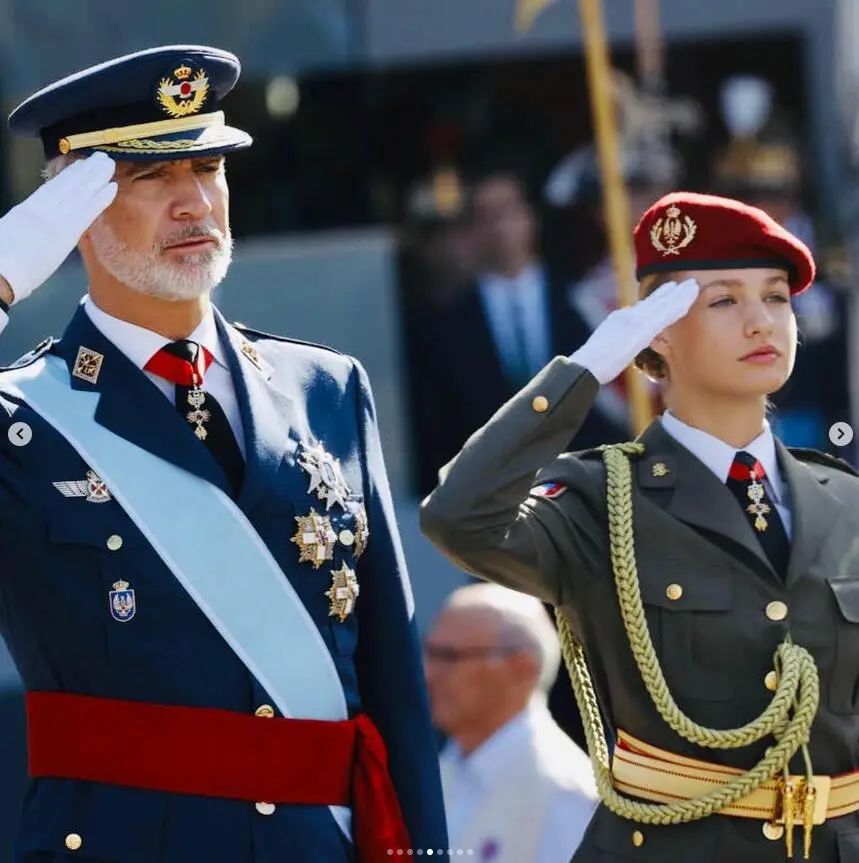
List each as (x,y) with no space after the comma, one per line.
(185,363)
(747,482)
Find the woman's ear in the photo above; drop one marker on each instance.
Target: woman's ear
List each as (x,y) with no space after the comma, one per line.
(661,345)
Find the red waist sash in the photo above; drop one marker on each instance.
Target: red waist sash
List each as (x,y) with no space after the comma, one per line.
(219,753)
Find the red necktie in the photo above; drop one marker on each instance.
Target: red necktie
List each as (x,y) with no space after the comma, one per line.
(746,481)
(185,364)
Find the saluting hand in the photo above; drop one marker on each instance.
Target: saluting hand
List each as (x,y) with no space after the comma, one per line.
(38,234)
(618,340)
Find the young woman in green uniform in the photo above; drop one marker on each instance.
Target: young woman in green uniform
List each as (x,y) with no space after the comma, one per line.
(706,576)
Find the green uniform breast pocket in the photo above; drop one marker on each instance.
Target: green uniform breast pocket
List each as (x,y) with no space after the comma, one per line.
(689,615)
(844,682)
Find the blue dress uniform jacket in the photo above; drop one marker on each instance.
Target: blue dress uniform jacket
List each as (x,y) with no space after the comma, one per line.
(715,639)
(61,557)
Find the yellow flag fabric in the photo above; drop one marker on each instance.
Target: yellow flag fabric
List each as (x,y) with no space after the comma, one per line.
(527,12)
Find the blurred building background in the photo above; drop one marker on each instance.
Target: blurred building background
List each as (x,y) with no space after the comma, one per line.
(372,118)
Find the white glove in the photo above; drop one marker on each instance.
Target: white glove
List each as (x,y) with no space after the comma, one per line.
(38,234)
(619,339)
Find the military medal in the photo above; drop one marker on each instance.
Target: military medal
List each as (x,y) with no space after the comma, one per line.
(343,592)
(315,537)
(123,605)
(198,416)
(358,537)
(92,488)
(757,507)
(326,476)
(362,532)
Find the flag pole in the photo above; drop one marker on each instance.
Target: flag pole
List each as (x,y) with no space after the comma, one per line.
(615,198)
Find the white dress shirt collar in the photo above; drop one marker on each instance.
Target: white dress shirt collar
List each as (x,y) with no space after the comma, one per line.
(718,456)
(140,344)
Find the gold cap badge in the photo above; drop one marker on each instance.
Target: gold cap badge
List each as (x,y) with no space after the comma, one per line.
(180,95)
(672,232)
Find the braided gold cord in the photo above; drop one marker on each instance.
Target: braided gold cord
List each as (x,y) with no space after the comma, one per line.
(797,691)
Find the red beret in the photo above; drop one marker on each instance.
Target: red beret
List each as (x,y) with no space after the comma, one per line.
(686,231)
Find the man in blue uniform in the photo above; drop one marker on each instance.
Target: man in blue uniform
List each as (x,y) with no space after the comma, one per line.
(201,581)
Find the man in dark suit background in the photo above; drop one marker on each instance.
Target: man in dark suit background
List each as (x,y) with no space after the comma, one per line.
(475,350)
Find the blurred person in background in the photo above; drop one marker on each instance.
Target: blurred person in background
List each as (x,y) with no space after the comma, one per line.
(761,165)
(488,338)
(516,788)
(649,172)
(436,265)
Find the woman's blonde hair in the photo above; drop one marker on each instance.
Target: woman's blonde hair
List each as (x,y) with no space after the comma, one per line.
(648,361)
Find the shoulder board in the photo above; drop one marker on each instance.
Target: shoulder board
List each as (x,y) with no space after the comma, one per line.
(259,334)
(31,356)
(818,457)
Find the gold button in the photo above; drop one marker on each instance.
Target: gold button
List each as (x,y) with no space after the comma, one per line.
(265,808)
(776,610)
(347,537)
(637,838)
(540,404)
(773,831)
(674,591)
(266,711)
(114,542)
(74,842)
(771,681)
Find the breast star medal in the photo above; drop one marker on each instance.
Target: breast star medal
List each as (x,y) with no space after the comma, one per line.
(93,488)
(326,476)
(123,605)
(197,416)
(315,538)
(757,507)
(343,592)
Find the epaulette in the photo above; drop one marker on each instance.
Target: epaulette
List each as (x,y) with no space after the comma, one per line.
(245,329)
(824,458)
(31,356)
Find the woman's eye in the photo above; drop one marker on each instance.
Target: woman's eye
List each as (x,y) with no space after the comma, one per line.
(725,301)
(778,298)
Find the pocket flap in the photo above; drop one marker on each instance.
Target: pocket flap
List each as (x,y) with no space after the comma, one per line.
(688,590)
(109,534)
(846,590)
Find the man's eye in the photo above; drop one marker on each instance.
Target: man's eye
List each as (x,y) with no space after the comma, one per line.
(152,175)
(778,298)
(723,302)
(209,169)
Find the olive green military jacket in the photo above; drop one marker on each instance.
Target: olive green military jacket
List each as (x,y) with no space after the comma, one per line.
(715,642)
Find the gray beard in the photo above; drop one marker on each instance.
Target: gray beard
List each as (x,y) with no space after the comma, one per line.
(188,278)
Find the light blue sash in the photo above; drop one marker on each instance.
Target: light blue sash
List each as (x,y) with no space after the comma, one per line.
(208,544)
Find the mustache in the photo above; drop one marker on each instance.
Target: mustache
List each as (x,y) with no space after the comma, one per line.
(193,232)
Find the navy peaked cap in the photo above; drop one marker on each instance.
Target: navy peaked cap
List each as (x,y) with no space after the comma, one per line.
(162,103)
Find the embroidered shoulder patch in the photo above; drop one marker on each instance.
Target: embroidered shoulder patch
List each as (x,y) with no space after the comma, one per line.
(548,490)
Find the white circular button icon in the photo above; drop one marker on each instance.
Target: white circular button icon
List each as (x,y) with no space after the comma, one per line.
(20,434)
(841,433)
